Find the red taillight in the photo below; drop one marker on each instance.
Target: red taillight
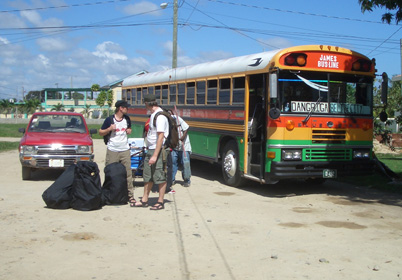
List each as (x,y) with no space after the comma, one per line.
(362,65)
(296,59)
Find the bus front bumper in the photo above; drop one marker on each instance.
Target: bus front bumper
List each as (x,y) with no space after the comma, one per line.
(292,169)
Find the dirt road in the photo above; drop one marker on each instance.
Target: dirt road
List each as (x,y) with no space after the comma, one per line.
(208,231)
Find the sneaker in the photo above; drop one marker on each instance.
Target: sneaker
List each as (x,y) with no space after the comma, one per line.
(172,191)
(186,184)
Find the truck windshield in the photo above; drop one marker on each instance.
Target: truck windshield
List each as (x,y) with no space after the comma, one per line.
(324,93)
(57,123)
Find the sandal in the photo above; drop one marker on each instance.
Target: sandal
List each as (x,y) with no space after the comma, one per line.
(141,204)
(158,206)
(132,202)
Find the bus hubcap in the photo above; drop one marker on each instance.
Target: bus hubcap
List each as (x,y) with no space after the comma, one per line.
(229,164)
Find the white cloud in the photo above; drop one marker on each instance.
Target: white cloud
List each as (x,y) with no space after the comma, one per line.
(53,44)
(143,7)
(110,51)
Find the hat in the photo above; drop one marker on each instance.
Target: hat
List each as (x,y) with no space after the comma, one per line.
(121,103)
(149,98)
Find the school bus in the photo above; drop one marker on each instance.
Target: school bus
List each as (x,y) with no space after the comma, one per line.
(302,112)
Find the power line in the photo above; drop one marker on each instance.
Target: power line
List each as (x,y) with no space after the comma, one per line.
(64,6)
(295,12)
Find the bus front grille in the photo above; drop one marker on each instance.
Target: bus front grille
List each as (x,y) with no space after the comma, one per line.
(320,136)
(327,154)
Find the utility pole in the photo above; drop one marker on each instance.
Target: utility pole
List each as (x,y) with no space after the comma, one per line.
(174,56)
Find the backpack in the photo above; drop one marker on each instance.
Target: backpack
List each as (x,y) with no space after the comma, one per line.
(107,136)
(172,141)
(59,194)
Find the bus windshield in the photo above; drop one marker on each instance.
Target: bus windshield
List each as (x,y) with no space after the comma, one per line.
(325,93)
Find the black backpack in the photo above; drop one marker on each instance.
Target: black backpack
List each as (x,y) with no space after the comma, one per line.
(172,141)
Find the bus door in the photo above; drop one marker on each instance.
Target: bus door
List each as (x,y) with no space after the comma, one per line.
(256,125)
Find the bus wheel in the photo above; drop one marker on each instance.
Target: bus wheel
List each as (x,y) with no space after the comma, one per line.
(230,164)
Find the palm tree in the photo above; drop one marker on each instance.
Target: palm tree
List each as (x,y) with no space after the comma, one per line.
(58,108)
(30,106)
(87,111)
(6,106)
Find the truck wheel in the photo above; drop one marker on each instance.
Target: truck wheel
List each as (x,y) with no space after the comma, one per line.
(230,164)
(26,173)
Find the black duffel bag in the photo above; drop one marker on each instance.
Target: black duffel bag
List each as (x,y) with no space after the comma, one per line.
(59,194)
(87,193)
(114,189)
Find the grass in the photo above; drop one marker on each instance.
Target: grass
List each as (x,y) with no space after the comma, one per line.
(8,146)
(378,180)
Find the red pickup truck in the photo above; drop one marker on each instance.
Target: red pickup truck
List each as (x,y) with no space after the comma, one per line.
(54,140)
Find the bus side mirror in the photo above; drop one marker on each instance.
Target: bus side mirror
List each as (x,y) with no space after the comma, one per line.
(384,88)
(273,85)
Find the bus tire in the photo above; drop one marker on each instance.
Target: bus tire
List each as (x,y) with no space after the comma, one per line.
(230,164)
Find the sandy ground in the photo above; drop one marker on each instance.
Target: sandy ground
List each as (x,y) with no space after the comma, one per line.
(208,231)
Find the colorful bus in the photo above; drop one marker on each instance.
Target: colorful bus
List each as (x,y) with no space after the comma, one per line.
(302,112)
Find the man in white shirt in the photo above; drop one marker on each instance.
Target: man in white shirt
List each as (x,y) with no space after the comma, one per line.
(155,160)
(181,155)
(118,149)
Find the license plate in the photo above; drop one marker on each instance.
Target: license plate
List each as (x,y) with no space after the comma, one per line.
(329,173)
(56,162)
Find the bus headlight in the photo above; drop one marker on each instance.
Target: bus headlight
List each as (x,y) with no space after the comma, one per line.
(361,154)
(291,154)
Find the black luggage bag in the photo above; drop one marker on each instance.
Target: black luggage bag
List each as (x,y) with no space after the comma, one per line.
(114,189)
(59,194)
(87,193)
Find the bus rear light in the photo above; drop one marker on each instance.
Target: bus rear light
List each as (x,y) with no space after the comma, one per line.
(296,59)
(290,125)
(362,65)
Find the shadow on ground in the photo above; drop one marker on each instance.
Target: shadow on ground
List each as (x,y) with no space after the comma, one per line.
(287,188)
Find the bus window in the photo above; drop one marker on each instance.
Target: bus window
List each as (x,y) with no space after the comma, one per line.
(124,94)
(172,94)
(224,91)
(165,94)
(201,93)
(181,93)
(212,91)
(190,93)
(144,91)
(151,90)
(238,90)
(139,97)
(158,92)
(132,93)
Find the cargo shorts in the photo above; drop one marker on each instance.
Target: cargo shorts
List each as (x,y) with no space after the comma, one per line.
(156,172)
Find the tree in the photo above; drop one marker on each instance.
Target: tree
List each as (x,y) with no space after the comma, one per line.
(394,7)
(30,106)
(105,97)
(6,106)
(58,107)
(87,111)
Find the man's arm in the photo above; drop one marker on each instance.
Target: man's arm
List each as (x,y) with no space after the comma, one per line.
(159,143)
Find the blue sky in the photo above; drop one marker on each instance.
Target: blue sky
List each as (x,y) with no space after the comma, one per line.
(100,41)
